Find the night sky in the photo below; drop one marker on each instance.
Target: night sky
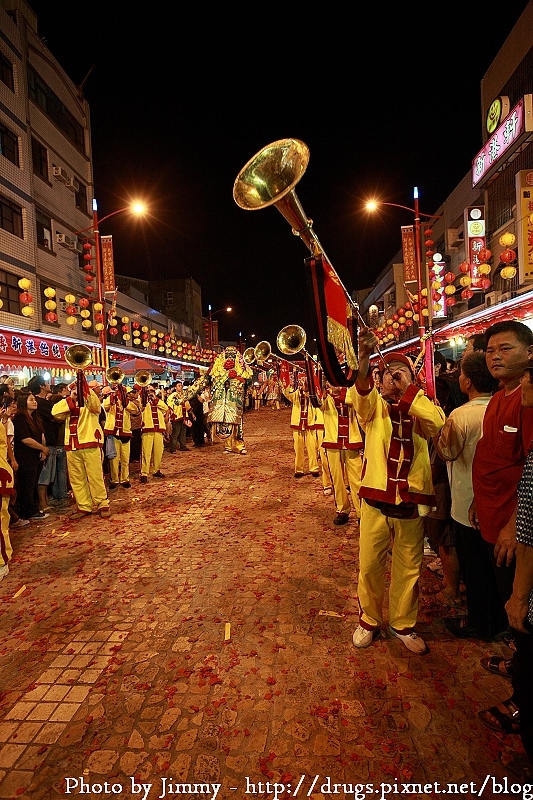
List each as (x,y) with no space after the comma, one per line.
(181,100)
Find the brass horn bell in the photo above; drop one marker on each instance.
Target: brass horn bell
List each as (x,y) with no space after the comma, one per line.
(249,356)
(115,375)
(143,377)
(291,340)
(78,356)
(262,351)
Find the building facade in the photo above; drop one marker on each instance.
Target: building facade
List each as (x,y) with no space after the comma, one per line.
(482,235)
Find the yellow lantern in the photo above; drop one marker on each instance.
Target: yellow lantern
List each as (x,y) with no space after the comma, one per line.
(113,322)
(507,273)
(435,285)
(507,239)
(70,299)
(86,323)
(98,307)
(449,289)
(125,320)
(27,311)
(24,284)
(416,317)
(408,314)
(437,307)
(153,339)
(465,280)
(424,292)
(425,312)
(50,305)
(161,349)
(144,328)
(49,292)
(71,320)
(85,313)
(146,344)
(484,269)
(1,303)
(153,332)
(99,326)
(126,337)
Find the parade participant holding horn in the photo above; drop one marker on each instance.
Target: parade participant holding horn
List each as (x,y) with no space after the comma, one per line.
(342,448)
(180,408)
(83,438)
(303,435)
(118,425)
(396,491)
(154,425)
(228,378)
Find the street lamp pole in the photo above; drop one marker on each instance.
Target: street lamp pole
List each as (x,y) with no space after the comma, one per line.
(211,315)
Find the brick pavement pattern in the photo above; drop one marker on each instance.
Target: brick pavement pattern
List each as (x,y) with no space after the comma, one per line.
(202,635)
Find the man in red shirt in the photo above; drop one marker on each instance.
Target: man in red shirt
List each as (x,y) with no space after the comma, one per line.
(496,469)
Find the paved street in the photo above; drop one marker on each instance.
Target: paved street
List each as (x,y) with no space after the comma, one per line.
(202,635)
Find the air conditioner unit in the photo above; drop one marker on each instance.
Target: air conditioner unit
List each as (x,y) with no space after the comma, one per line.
(66,241)
(492,298)
(506,296)
(73,184)
(60,174)
(78,247)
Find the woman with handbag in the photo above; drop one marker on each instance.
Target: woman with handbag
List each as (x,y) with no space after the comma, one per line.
(30,451)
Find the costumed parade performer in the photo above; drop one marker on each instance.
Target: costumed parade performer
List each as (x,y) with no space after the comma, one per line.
(228,378)
(118,425)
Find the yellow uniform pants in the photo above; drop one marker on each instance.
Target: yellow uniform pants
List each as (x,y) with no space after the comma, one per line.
(326,474)
(152,450)
(232,444)
(377,533)
(345,465)
(5,544)
(87,478)
(121,463)
(305,441)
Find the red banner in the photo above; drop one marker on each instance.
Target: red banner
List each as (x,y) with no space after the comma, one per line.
(409,260)
(108,265)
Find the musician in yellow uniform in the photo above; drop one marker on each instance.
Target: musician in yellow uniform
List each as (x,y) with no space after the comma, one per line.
(118,425)
(342,448)
(396,492)
(304,438)
(83,445)
(154,425)
(316,423)
(180,409)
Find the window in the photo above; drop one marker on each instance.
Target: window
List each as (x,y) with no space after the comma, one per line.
(170,300)
(11,217)
(81,197)
(44,229)
(49,102)
(9,146)
(6,72)
(39,155)
(10,292)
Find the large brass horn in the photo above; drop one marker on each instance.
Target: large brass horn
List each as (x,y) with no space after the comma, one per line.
(249,356)
(78,356)
(291,340)
(262,351)
(143,377)
(269,179)
(115,375)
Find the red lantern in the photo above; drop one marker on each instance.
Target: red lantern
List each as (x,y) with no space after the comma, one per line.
(449,277)
(430,253)
(467,294)
(88,268)
(87,246)
(125,329)
(484,254)
(450,301)
(507,256)
(464,267)
(486,284)
(145,336)
(89,278)
(428,232)
(51,316)
(87,257)
(84,303)
(113,331)
(154,345)
(71,310)
(429,242)
(89,288)
(25,298)
(409,323)
(135,325)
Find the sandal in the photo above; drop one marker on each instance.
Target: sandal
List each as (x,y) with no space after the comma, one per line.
(503,667)
(507,721)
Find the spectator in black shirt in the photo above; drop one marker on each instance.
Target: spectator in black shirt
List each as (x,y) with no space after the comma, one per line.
(30,452)
(40,388)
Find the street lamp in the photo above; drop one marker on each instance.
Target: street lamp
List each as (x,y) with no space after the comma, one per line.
(134,208)
(373,205)
(211,315)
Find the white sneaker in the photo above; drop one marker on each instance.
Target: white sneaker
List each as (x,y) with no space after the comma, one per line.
(364,638)
(412,641)
(4,571)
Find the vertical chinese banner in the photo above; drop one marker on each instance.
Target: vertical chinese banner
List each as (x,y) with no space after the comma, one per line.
(214,325)
(108,265)
(476,241)
(524,206)
(408,248)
